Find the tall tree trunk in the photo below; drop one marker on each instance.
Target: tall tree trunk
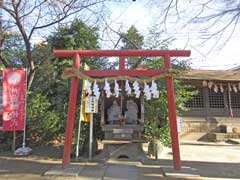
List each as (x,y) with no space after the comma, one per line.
(28,48)
(2,59)
(30,79)
(30,64)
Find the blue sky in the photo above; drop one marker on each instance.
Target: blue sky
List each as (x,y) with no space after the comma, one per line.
(204,56)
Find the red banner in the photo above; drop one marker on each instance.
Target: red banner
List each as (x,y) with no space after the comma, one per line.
(13,99)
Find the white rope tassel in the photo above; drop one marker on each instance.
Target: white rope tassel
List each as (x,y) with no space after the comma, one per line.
(147,91)
(136,89)
(210,84)
(128,88)
(215,88)
(229,88)
(96,90)
(204,83)
(234,88)
(88,87)
(116,89)
(154,90)
(107,89)
(221,88)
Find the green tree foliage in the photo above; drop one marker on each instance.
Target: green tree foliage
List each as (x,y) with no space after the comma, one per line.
(14,51)
(156,110)
(49,88)
(132,39)
(181,93)
(75,36)
(152,132)
(42,121)
(155,39)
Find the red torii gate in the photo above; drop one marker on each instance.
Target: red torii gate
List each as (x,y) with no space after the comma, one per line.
(166,54)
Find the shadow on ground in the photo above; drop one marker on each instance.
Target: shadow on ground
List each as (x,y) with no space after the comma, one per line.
(210,169)
(44,158)
(17,165)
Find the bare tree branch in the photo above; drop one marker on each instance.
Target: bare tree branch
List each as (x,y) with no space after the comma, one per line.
(31,16)
(36,6)
(66,14)
(213,16)
(2,39)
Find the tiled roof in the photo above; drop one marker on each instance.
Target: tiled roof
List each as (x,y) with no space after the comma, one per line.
(236,68)
(227,75)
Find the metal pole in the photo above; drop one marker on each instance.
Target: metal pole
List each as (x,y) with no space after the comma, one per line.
(25,111)
(1,28)
(1,23)
(91,136)
(78,136)
(79,123)
(155,149)
(14,141)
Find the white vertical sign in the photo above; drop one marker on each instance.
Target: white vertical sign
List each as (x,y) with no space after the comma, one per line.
(179,124)
(91,104)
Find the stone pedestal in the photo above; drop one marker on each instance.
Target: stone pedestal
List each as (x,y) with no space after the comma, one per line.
(126,132)
(124,151)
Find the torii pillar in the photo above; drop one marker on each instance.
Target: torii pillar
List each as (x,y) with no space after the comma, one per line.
(166,54)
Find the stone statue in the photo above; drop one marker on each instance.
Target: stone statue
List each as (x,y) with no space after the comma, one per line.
(114,113)
(131,114)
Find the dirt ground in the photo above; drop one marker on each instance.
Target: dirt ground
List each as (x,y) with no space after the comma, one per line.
(210,160)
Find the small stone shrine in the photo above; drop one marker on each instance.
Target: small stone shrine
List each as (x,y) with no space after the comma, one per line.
(114,113)
(122,117)
(131,115)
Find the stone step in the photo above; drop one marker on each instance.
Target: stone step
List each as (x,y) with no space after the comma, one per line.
(124,141)
(70,170)
(234,141)
(185,173)
(119,172)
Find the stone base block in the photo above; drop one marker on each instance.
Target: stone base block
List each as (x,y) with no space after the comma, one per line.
(71,170)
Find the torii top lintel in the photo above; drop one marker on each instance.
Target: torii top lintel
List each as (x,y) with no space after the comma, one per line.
(166,54)
(117,53)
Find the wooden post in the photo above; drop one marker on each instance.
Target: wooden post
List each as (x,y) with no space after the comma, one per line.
(121,66)
(172,116)
(71,113)
(142,110)
(102,110)
(206,102)
(14,141)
